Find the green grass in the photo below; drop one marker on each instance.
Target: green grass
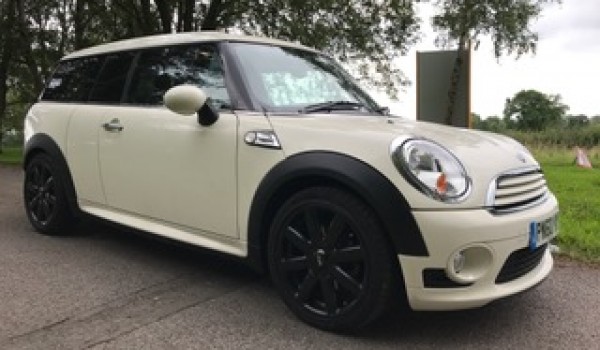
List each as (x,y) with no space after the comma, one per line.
(578,193)
(11,155)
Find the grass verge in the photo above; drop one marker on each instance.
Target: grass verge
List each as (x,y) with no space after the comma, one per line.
(11,155)
(578,193)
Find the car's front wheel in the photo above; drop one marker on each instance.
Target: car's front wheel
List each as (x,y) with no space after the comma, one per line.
(44,195)
(329,259)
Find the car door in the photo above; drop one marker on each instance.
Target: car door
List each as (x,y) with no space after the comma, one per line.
(97,86)
(161,166)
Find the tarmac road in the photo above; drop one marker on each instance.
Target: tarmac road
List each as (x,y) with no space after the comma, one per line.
(105,288)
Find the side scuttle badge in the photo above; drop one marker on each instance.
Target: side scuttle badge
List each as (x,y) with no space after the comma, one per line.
(262,138)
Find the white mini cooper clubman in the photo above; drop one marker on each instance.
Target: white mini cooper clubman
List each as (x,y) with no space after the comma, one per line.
(269,151)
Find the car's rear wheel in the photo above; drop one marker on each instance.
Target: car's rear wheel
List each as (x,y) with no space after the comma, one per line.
(330,260)
(44,195)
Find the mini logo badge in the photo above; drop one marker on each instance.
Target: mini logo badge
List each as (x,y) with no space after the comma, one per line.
(521,157)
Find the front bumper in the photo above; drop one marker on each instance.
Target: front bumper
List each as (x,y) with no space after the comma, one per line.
(446,232)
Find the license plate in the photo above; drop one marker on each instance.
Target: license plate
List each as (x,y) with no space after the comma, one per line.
(541,232)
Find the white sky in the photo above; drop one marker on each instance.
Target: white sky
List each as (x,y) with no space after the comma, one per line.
(567,62)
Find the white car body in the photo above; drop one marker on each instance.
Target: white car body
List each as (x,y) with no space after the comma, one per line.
(165,174)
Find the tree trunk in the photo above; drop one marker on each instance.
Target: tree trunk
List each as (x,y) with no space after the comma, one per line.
(6,35)
(78,24)
(146,20)
(210,20)
(179,16)
(454,80)
(164,12)
(188,15)
(26,46)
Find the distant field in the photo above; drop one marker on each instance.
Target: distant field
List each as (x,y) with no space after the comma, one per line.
(578,193)
(11,155)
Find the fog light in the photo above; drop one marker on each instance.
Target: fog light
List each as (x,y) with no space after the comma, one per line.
(459,262)
(469,264)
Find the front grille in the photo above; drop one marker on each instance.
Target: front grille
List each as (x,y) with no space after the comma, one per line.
(520,262)
(517,190)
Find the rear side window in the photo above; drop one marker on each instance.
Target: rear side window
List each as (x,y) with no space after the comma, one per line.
(73,80)
(160,69)
(112,79)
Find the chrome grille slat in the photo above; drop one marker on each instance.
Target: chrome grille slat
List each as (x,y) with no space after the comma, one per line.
(502,202)
(517,190)
(505,182)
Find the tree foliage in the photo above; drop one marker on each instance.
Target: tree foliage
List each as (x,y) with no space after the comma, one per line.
(577,121)
(506,22)
(533,110)
(492,123)
(366,34)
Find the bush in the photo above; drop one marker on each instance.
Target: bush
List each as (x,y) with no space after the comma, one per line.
(12,138)
(587,137)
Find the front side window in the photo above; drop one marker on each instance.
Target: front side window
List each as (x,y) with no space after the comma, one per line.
(285,79)
(162,68)
(73,80)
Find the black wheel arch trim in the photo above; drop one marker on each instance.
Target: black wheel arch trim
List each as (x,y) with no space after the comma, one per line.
(323,168)
(45,144)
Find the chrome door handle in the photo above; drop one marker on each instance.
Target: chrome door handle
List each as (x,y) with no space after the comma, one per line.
(113,126)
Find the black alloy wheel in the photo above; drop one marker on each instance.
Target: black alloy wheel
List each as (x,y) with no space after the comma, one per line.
(329,259)
(45,201)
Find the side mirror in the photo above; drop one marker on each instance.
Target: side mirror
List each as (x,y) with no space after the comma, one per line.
(190,99)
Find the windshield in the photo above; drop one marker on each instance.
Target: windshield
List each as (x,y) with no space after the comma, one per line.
(284,79)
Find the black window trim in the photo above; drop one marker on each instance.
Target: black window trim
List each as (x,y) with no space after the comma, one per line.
(237,100)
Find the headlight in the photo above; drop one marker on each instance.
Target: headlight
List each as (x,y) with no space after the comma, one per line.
(432,169)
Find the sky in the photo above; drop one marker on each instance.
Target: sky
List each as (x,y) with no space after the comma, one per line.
(567,62)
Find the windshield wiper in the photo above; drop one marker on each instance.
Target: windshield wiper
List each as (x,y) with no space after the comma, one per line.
(331,105)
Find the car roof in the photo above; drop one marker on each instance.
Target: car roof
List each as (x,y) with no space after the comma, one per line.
(175,39)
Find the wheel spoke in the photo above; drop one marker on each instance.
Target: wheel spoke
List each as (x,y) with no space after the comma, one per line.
(328,290)
(348,255)
(295,263)
(306,287)
(48,183)
(39,210)
(297,239)
(346,281)
(51,200)
(312,225)
(336,227)
(34,202)
(46,210)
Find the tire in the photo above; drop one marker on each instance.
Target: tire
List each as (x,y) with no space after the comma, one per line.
(44,195)
(330,261)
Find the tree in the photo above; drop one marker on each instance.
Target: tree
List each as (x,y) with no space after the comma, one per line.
(577,121)
(507,23)
(491,123)
(476,121)
(369,34)
(35,34)
(531,110)
(7,43)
